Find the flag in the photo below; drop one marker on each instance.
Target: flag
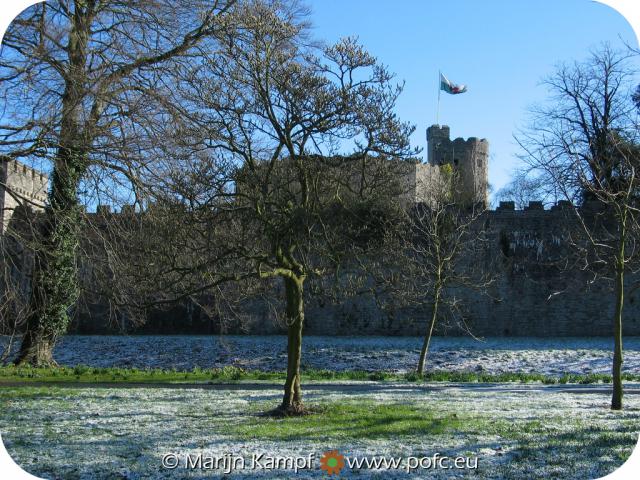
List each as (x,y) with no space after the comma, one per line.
(449,87)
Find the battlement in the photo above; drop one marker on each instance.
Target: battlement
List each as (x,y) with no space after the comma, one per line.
(470,141)
(538,207)
(443,132)
(503,206)
(20,186)
(20,168)
(440,131)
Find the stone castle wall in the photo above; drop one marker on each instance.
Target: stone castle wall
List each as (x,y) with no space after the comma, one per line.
(420,180)
(531,294)
(20,185)
(23,192)
(534,292)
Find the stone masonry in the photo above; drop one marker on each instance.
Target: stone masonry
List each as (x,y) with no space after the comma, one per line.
(531,295)
(20,185)
(470,158)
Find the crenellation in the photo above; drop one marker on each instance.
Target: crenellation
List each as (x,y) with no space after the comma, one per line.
(534,205)
(103,210)
(20,187)
(506,206)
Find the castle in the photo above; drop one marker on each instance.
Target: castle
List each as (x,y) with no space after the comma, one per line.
(468,158)
(20,186)
(531,296)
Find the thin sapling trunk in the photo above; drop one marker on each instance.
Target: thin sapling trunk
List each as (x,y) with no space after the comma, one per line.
(292,399)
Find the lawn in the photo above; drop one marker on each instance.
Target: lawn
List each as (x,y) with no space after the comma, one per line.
(523,408)
(86,374)
(515,431)
(497,355)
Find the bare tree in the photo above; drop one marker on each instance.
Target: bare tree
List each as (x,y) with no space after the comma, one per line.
(437,247)
(584,145)
(80,81)
(179,250)
(445,237)
(523,188)
(286,109)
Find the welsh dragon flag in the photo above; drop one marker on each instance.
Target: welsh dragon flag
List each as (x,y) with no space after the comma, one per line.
(449,87)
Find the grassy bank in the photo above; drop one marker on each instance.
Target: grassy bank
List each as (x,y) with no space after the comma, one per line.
(85,374)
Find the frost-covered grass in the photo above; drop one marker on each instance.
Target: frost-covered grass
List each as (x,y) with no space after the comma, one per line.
(86,374)
(548,356)
(516,432)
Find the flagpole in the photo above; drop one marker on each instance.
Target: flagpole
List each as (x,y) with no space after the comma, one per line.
(438,111)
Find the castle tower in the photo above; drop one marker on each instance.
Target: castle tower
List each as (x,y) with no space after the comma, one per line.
(469,158)
(20,186)
(439,151)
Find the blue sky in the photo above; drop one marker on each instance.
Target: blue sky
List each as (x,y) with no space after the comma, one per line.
(500,48)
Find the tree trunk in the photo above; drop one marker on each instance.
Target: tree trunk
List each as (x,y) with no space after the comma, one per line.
(36,350)
(292,400)
(616,374)
(429,334)
(54,284)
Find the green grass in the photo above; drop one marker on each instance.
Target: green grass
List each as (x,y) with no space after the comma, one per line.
(353,420)
(85,374)
(349,421)
(34,393)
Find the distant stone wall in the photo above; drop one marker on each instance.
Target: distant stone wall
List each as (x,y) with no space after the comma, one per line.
(20,185)
(535,293)
(532,295)
(420,180)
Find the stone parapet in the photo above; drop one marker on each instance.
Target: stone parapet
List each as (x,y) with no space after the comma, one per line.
(20,187)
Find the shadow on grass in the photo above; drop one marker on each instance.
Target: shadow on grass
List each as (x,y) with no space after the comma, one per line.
(586,451)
